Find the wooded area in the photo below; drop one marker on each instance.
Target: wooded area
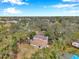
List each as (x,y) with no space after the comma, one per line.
(61,32)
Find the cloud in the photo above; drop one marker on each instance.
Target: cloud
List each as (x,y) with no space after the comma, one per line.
(18,2)
(70,12)
(62,6)
(11,11)
(70,0)
(74,11)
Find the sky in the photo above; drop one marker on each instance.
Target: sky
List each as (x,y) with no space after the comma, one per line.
(39,7)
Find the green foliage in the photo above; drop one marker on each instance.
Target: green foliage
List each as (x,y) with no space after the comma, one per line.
(46,53)
(32,34)
(60,31)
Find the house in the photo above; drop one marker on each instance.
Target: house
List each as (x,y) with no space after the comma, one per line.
(40,41)
(75,44)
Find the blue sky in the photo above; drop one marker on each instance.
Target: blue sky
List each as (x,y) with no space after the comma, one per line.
(39,7)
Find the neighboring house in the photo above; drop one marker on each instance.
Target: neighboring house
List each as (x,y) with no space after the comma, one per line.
(75,44)
(39,41)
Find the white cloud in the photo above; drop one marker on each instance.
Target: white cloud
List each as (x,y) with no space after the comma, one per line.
(61,6)
(66,0)
(18,2)
(64,5)
(74,11)
(11,11)
(70,12)
(70,0)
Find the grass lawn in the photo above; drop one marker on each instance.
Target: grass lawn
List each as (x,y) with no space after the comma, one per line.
(72,49)
(26,50)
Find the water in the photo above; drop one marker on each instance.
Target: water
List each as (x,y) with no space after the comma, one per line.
(75,57)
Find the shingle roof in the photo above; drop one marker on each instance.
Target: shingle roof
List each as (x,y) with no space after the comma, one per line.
(40,40)
(40,37)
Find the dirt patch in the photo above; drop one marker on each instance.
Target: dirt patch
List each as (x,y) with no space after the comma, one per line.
(25,51)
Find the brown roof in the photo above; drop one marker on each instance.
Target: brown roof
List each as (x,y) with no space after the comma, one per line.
(40,37)
(40,40)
